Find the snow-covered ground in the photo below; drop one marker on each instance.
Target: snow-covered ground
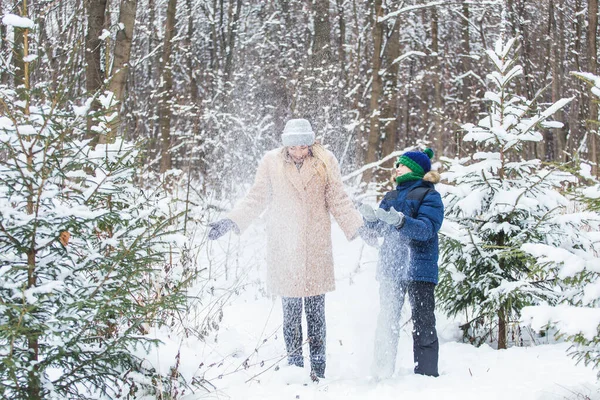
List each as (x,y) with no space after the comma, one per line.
(245,358)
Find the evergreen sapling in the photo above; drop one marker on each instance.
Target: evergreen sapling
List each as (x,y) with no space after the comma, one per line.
(496,202)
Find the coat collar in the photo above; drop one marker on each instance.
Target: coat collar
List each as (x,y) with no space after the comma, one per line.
(299,178)
(409,184)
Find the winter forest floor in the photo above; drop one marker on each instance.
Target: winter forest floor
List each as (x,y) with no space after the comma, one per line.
(251,330)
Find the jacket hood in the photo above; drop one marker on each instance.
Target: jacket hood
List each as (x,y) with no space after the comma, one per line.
(432,176)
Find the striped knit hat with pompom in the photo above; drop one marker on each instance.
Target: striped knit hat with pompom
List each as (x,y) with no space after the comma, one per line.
(419,162)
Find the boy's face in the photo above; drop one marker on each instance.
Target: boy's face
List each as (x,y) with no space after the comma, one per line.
(402,169)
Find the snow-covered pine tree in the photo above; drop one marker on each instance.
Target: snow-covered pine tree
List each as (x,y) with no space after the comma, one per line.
(496,201)
(577,261)
(83,253)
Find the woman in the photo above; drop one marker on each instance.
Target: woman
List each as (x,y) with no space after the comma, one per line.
(298,185)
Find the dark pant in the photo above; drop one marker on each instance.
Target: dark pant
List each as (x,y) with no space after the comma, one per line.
(292,330)
(425,341)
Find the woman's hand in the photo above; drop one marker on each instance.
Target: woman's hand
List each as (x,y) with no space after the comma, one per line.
(221,227)
(369,236)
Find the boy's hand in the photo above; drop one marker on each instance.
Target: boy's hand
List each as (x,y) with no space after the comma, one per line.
(367,212)
(391,217)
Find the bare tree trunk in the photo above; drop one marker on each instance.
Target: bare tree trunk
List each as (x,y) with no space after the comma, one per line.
(510,9)
(579,23)
(390,107)
(575,109)
(122,55)
(152,73)
(548,145)
(94,77)
(222,34)
(356,64)
(122,52)
(285,7)
(519,15)
(231,35)
(46,46)
(466,60)
(501,329)
(18,50)
(423,97)
(2,28)
(341,43)
(357,84)
(526,60)
(167,88)
(562,133)
(192,70)
(467,114)
(517,30)
(19,76)
(108,45)
(190,58)
(374,138)
(407,103)
(438,134)
(34,385)
(558,38)
(3,74)
(321,45)
(214,38)
(592,68)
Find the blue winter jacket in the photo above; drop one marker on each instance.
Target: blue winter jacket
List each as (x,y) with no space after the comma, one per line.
(411,252)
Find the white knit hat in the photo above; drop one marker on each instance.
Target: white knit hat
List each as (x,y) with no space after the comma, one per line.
(298,132)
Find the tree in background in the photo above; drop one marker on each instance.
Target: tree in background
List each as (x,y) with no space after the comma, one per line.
(207,85)
(575,258)
(85,256)
(499,199)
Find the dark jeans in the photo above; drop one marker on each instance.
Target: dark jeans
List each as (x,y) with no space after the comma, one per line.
(425,341)
(292,330)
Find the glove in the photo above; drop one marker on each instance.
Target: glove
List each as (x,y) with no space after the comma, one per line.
(221,227)
(391,217)
(369,236)
(367,212)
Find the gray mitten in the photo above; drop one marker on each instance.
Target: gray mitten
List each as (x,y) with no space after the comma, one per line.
(391,217)
(367,212)
(369,236)
(221,227)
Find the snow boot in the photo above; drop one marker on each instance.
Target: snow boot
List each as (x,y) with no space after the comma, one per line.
(296,360)
(317,370)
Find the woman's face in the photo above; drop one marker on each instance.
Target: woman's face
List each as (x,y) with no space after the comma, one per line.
(401,170)
(298,153)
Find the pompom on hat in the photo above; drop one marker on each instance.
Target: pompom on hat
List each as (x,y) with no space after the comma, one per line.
(419,162)
(298,132)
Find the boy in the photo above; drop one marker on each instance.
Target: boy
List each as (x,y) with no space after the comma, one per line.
(409,219)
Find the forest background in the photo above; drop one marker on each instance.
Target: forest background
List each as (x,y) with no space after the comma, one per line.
(208,85)
(127,126)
